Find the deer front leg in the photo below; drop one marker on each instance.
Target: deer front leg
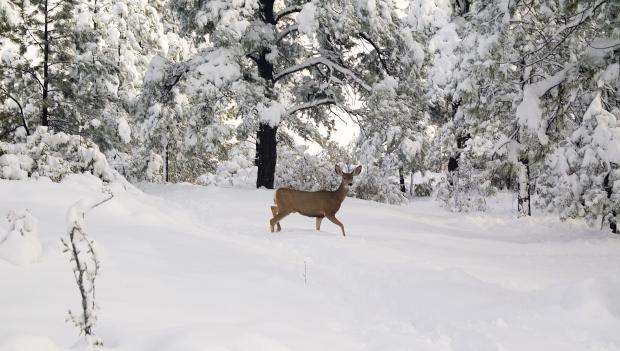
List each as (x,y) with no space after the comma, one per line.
(274,210)
(336,222)
(276,219)
(318,223)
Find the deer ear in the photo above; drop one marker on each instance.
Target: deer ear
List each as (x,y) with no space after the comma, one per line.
(338,170)
(357,170)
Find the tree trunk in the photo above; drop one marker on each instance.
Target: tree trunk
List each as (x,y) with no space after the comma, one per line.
(453,161)
(462,6)
(46,50)
(266,155)
(402,181)
(608,186)
(524,198)
(266,152)
(167,174)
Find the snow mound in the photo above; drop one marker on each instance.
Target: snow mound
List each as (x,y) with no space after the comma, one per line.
(14,167)
(593,298)
(28,343)
(21,244)
(237,172)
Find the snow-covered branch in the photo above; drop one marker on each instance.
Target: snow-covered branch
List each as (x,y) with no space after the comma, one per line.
(287,11)
(310,104)
(379,51)
(85,266)
(569,28)
(288,30)
(21,110)
(322,61)
(529,112)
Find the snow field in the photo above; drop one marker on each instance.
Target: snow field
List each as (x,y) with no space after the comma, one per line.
(186,268)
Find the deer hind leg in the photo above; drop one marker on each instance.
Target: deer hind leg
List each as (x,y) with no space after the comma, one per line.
(318,223)
(274,210)
(335,220)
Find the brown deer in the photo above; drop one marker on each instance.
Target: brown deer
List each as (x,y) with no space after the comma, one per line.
(318,204)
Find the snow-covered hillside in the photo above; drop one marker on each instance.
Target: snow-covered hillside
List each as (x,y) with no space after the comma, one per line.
(194,268)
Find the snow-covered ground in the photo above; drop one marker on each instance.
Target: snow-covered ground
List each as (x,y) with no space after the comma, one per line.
(194,268)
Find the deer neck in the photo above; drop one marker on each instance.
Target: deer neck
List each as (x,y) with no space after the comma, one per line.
(341,192)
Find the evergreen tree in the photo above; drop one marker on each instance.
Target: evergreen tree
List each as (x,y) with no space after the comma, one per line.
(296,62)
(35,73)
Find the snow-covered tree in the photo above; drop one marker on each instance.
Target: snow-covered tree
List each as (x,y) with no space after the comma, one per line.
(581,177)
(37,49)
(299,60)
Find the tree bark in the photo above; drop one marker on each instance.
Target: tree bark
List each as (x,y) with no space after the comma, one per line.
(608,186)
(46,50)
(167,164)
(266,155)
(266,143)
(462,6)
(453,161)
(403,189)
(524,198)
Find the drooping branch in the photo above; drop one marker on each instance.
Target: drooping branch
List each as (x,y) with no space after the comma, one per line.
(379,51)
(322,61)
(288,30)
(505,142)
(569,28)
(30,72)
(21,110)
(287,11)
(85,266)
(320,102)
(310,104)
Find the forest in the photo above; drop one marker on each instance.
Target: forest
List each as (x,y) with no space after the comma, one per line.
(456,98)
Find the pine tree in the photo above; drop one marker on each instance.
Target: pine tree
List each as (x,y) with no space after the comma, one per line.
(295,63)
(36,78)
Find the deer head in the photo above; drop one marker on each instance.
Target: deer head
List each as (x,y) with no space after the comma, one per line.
(347,178)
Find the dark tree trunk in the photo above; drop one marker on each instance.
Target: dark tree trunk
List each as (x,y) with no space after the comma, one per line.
(453,161)
(167,175)
(462,6)
(402,180)
(525,191)
(266,152)
(608,186)
(46,50)
(266,155)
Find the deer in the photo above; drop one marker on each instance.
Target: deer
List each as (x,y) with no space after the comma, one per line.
(318,204)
